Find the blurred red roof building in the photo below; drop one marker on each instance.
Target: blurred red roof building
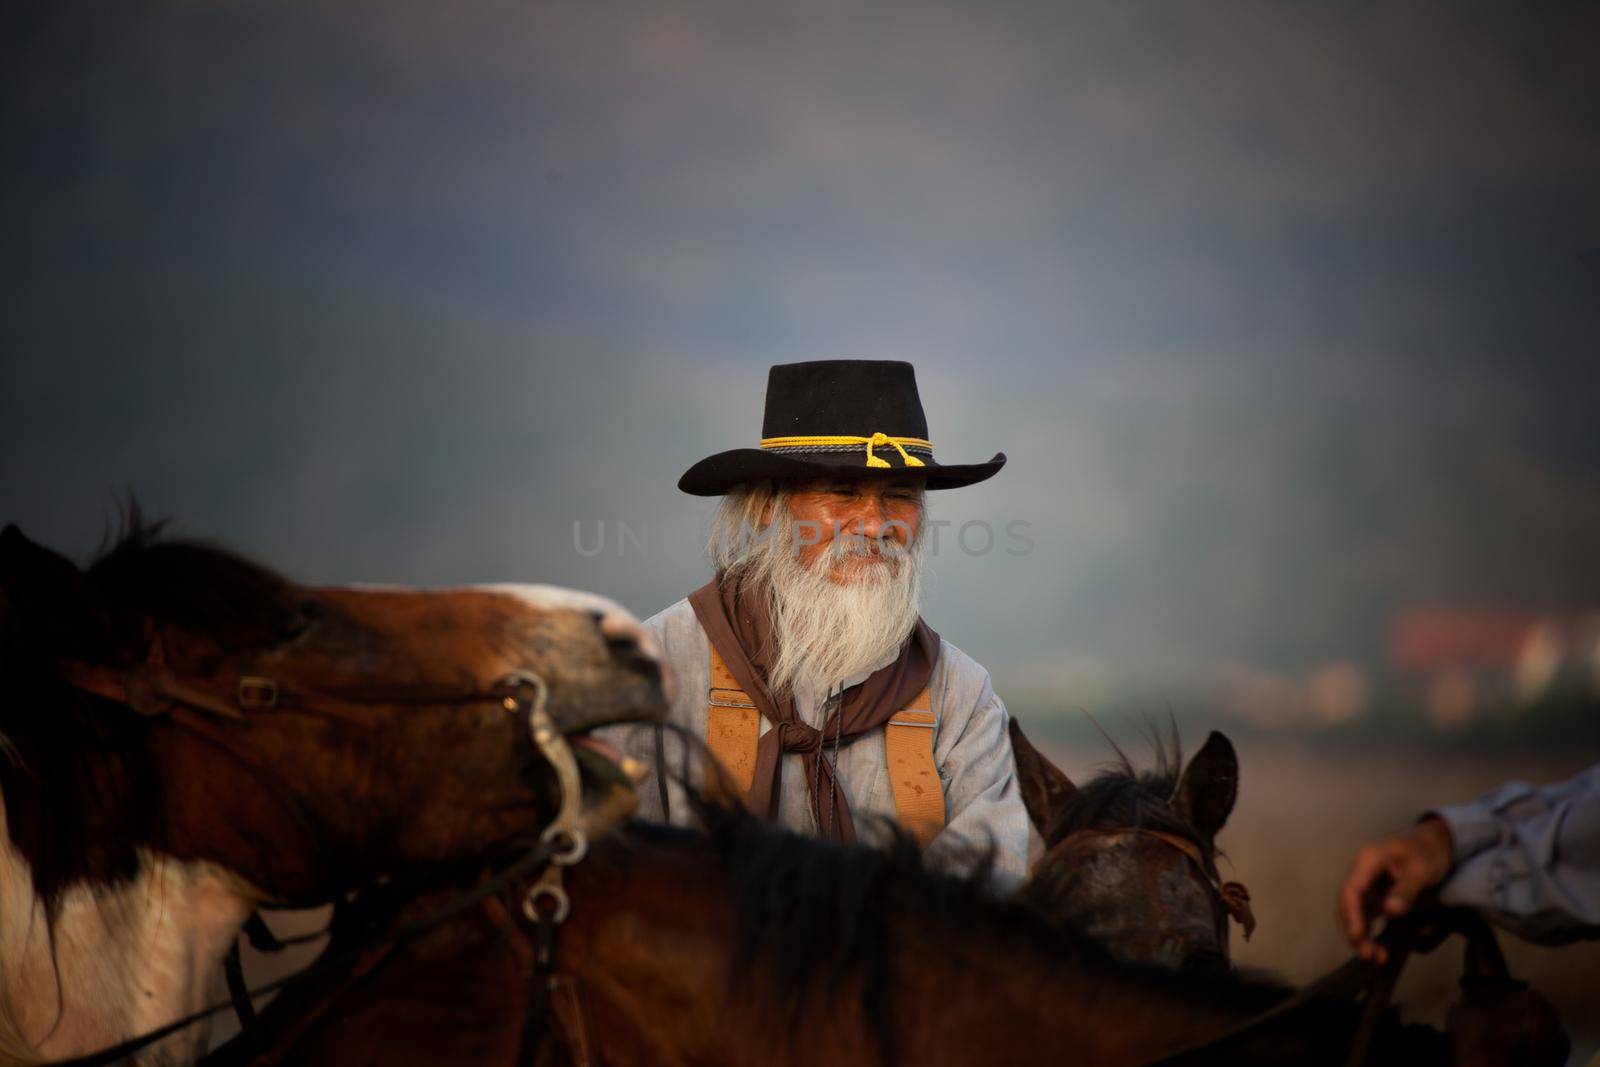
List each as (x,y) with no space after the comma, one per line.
(1465,661)
(1431,639)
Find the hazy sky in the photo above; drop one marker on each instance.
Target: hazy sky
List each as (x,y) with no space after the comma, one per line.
(1286,314)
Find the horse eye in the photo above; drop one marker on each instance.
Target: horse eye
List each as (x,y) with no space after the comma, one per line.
(306,614)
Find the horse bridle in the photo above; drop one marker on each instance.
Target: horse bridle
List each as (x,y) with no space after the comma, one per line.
(564,842)
(1229,899)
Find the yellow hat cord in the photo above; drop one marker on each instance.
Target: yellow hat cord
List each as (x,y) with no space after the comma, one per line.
(877,440)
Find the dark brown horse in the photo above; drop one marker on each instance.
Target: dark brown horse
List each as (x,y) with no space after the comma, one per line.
(185,735)
(1130,858)
(742,943)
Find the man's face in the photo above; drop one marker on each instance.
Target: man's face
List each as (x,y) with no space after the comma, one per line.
(884,510)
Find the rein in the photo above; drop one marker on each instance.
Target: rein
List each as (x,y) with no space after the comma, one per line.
(1401,937)
(1346,980)
(153,690)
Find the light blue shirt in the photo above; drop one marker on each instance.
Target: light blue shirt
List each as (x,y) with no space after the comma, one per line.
(971,748)
(1530,857)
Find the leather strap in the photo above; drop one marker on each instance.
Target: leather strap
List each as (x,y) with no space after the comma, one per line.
(238,988)
(1232,896)
(733,724)
(733,730)
(908,746)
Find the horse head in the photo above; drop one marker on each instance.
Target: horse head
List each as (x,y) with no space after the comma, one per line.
(1130,858)
(175,699)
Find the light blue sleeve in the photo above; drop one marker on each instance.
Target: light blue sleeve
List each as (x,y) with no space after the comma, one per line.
(984,808)
(1529,857)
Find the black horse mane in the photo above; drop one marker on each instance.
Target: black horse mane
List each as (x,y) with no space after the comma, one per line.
(80,793)
(195,585)
(813,914)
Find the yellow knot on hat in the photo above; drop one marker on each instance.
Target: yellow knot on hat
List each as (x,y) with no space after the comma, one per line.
(877,440)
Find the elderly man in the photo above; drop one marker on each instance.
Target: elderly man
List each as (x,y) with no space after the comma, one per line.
(804,663)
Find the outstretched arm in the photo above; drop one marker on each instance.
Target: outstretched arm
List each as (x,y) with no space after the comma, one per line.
(1529,857)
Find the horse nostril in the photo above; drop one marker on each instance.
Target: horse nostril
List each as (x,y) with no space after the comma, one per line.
(624,636)
(619,630)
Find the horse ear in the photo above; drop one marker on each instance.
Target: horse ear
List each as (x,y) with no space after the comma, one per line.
(44,596)
(1045,790)
(1209,786)
(29,571)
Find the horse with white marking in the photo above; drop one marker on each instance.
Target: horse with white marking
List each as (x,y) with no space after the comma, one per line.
(188,735)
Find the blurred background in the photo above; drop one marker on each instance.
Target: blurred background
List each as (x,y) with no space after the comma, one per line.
(1284,313)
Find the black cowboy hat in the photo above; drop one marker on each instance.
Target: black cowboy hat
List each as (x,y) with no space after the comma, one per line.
(837,417)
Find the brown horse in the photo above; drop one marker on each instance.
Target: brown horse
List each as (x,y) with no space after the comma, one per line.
(742,943)
(185,735)
(1131,858)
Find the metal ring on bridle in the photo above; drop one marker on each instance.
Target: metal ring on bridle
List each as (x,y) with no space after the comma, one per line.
(520,679)
(577,844)
(554,748)
(561,906)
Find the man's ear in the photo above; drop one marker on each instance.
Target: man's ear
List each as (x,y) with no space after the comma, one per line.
(1209,786)
(1045,790)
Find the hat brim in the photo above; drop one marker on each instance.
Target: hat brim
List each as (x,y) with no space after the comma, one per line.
(715,475)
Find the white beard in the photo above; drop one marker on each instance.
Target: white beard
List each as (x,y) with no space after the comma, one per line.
(827,630)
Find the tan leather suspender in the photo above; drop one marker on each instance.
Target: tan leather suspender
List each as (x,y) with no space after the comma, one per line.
(733,726)
(918,793)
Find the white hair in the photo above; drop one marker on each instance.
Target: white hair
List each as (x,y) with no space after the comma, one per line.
(824,630)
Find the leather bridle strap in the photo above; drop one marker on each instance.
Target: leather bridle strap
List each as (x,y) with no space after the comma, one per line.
(262,939)
(238,988)
(150,689)
(153,689)
(1233,897)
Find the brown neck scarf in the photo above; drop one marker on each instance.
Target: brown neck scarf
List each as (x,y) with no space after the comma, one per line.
(735,618)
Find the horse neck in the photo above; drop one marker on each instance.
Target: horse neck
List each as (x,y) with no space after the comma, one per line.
(646,973)
(649,954)
(106,961)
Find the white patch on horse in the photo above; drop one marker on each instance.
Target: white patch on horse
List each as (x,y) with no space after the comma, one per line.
(127,958)
(616,621)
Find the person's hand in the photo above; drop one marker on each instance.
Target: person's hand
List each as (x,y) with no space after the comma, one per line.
(1387,876)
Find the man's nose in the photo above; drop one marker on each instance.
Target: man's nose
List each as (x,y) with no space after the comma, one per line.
(873,521)
(864,520)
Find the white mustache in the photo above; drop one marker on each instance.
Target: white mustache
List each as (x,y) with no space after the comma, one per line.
(848,546)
